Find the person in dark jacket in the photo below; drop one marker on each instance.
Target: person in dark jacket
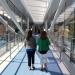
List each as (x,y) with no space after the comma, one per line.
(30,48)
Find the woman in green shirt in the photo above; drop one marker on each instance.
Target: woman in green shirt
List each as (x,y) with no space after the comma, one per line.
(43,47)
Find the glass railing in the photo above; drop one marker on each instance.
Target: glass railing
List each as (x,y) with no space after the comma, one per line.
(8,42)
(2,46)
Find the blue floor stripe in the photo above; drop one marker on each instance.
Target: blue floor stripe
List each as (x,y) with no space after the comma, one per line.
(19,66)
(12,67)
(53,67)
(25,71)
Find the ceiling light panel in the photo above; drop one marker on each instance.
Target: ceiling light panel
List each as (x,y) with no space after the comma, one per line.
(36,8)
(35,3)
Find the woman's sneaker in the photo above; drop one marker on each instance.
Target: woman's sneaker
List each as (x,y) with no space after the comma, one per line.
(45,69)
(41,69)
(29,68)
(33,68)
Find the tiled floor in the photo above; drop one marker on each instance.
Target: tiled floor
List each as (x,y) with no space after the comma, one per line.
(18,66)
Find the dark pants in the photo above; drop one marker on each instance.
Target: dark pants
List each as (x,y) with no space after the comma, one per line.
(30,55)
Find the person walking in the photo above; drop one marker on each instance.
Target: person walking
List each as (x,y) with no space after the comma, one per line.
(43,47)
(30,49)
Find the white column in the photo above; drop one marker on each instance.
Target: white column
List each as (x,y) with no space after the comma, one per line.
(46,27)
(27,27)
(27,23)
(61,4)
(21,21)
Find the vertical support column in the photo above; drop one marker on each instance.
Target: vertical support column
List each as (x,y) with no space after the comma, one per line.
(46,26)
(14,38)
(7,38)
(62,36)
(18,40)
(28,23)
(27,27)
(74,24)
(21,22)
(61,4)
(72,53)
(9,44)
(21,27)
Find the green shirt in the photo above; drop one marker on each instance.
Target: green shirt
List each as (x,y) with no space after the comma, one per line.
(43,44)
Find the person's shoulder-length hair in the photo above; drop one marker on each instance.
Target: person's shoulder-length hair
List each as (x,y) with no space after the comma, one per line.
(29,35)
(43,35)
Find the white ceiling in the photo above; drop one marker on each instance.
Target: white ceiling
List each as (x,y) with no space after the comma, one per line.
(36,8)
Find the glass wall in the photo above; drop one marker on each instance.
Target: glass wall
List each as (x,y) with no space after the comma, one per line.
(8,39)
(63,34)
(2,39)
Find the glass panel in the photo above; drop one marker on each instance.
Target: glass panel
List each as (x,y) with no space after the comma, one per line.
(72,55)
(64,31)
(2,39)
